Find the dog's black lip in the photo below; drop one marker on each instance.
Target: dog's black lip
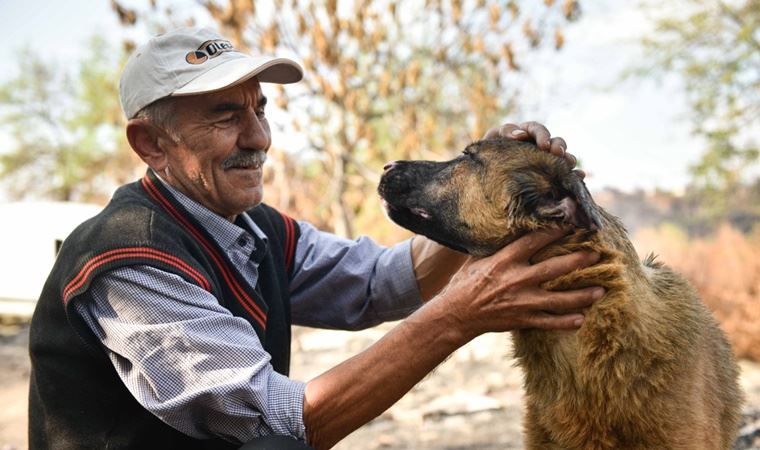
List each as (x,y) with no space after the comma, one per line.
(407,219)
(406,209)
(449,245)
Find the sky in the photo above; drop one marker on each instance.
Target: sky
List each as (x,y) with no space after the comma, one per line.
(628,135)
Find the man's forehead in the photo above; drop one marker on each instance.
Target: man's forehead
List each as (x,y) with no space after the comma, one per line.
(249,91)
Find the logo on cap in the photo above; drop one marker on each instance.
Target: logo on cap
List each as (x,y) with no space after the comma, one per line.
(208,50)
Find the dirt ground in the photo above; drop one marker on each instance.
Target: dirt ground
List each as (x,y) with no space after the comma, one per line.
(472,401)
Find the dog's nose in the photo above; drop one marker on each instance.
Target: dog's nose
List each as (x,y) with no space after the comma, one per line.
(389,166)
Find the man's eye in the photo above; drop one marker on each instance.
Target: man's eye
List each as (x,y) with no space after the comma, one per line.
(260,113)
(227,120)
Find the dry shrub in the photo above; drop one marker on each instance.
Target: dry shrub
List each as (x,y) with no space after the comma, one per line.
(724,268)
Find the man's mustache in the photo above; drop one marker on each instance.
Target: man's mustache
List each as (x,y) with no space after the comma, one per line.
(244,159)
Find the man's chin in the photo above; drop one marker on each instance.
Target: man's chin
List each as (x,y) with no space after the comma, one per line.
(254,197)
(239,200)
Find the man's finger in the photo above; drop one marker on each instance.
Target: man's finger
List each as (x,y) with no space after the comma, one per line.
(513,131)
(580,172)
(539,134)
(548,321)
(523,248)
(571,159)
(506,131)
(492,133)
(561,265)
(560,302)
(558,147)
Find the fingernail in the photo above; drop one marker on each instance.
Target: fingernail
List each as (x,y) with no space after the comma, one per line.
(519,132)
(598,293)
(578,322)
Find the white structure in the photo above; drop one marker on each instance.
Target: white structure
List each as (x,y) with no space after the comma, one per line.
(30,235)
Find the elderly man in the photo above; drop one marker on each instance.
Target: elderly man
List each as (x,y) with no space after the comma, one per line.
(165,322)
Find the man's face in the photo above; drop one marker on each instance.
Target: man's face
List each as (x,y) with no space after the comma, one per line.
(224,136)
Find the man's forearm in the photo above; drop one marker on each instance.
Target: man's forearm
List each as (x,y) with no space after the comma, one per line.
(434,265)
(358,390)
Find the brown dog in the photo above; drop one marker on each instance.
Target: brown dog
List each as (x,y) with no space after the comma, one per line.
(648,369)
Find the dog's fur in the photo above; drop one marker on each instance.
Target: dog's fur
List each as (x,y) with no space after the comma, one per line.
(648,369)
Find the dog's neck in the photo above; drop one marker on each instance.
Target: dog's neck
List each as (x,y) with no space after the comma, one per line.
(613,323)
(610,242)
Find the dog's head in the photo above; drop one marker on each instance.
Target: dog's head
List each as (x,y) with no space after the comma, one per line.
(496,191)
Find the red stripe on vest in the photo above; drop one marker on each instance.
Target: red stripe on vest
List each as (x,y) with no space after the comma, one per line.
(242,297)
(290,241)
(131,252)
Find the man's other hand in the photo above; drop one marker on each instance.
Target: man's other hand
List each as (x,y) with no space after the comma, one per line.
(539,135)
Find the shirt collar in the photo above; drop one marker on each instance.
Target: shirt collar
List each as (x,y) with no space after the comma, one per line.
(224,232)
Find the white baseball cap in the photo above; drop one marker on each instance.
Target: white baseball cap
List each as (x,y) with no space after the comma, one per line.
(191,61)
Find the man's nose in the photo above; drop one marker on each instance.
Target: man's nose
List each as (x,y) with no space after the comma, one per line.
(255,134)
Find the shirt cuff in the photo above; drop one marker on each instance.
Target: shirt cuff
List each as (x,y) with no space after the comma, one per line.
(397,286)
(286,399)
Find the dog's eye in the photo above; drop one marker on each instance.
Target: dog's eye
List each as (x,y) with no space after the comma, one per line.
(466,152)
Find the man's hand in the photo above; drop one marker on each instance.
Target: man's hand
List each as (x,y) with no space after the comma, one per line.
(503,291)
(538,134)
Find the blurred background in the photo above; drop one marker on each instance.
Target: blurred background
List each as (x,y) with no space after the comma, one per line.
(660,101)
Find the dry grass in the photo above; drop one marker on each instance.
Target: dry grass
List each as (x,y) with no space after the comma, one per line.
(725,269)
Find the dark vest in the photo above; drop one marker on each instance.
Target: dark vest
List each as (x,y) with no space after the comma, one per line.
(76,399)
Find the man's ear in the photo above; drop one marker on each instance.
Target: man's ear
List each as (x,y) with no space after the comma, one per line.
(145,139)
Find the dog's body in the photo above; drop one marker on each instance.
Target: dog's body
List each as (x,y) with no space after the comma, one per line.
(648,369)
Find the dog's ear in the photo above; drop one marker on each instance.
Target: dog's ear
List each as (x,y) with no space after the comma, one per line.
(577,207)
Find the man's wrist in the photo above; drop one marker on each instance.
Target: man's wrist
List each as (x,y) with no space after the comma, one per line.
(452,328)
(434,265)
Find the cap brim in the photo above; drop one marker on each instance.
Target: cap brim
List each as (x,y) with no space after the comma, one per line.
(238,70)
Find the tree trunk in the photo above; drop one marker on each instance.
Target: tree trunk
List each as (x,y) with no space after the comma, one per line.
(341,216)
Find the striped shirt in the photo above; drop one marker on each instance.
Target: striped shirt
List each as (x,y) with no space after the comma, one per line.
(203,371)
